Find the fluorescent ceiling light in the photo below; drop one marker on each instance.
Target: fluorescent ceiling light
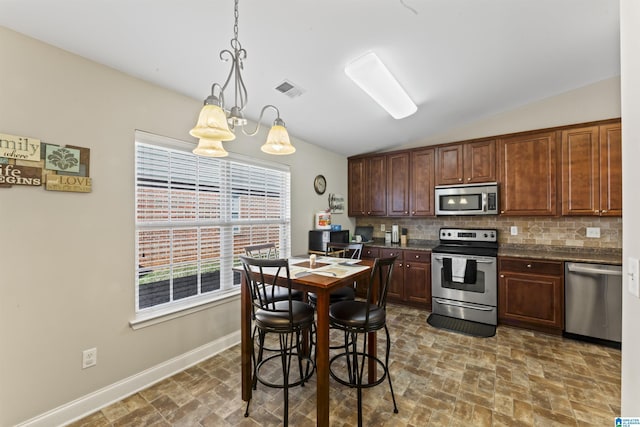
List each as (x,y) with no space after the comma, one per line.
(374,78)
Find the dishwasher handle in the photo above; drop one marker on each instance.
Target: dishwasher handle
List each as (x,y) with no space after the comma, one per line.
(575,268)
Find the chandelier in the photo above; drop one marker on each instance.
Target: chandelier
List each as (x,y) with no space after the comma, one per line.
(215,124)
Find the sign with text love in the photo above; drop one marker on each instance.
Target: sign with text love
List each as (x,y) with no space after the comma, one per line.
(19,147)
(75,184)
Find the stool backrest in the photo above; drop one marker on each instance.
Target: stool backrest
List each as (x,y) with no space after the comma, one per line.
(344,250)
(262,275)
(262,250)
(381,275)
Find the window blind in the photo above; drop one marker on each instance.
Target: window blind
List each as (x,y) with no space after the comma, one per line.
(195,215)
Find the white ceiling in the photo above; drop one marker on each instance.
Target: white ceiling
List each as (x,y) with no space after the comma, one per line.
(459,60)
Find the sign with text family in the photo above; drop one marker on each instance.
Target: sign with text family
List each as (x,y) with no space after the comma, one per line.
(19,147)
(29,161)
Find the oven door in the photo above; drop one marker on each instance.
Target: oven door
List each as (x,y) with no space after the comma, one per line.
(483,290)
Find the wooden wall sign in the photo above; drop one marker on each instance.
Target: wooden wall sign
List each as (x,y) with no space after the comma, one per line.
(19,147)
(20,175)
(29,161)
(75,184)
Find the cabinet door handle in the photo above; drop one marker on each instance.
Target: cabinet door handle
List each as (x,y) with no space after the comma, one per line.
(502,276)
(468,179)
(407,265)
(501,211)
(603,211)
(417,256)
(413,212)
(528,265)
(459,179)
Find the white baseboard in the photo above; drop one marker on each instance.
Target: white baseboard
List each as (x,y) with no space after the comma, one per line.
(99,399)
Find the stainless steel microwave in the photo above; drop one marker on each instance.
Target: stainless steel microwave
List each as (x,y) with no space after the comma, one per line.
(467,199)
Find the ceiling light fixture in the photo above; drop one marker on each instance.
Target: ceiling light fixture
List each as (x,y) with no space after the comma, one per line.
(215,124)
(373,77)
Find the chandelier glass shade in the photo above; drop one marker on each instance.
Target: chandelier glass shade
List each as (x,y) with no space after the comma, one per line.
(216,124)
(210,148)
(278,142)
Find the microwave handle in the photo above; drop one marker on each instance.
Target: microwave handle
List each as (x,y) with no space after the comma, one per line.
(484,202)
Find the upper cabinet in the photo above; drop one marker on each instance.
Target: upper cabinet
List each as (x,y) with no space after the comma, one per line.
(527,165)
(368,186)
(569,170)
(592,170)
(410,180)
(467,162)
(421,197)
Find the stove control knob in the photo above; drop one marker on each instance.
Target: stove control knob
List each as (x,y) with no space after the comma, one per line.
(486,235)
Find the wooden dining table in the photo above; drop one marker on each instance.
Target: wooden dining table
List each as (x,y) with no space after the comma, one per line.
(321,285)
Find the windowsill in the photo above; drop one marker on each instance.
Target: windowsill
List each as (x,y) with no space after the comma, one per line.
(155,317)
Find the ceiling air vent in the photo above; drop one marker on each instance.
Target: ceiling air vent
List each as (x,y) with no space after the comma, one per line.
(290,89)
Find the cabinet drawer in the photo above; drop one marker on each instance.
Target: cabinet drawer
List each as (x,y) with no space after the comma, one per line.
(421,256)
(535,266)
(368,252)
(385,253)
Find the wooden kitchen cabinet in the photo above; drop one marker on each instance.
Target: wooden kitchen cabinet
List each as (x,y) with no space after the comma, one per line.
(531,294)
(528,174)
(368,186)
(467,162)
(410,183)
(411,281)
(592,170)
(398,183)
(422,181)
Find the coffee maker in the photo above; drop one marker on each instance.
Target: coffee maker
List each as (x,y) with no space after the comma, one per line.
(395,233)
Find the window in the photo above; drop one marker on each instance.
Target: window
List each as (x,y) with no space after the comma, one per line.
(195,215)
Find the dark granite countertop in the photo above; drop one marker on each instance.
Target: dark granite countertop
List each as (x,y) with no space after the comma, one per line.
(551,253)
(556,253)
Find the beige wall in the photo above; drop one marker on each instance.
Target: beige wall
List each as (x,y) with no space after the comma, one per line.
(630,46)
(597,101)
(67,259)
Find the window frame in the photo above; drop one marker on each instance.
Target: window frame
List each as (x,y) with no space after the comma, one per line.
(228,224)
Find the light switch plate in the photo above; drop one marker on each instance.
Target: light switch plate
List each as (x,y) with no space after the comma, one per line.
(514,230)
(634,280)
(593,232)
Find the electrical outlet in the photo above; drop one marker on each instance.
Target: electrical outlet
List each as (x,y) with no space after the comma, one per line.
(593,232)
(382,227)
(89,358)
(514,230)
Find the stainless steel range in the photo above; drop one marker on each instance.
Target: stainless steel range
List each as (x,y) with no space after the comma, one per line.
(464,277)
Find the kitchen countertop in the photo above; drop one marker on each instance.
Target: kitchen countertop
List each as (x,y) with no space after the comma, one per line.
(551,253)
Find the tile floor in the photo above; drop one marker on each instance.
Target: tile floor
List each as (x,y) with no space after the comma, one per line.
(516,378)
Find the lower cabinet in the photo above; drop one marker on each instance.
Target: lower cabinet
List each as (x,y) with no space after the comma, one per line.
(531,294)
(411,281)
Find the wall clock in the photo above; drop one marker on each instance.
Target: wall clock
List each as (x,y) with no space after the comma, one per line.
(320,184)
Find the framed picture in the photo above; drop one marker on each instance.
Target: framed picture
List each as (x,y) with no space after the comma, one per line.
(336,203)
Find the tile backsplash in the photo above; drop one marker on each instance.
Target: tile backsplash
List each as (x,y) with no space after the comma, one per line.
(548,231)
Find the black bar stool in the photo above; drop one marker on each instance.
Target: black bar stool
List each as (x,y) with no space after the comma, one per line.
(287,318)
(357,319)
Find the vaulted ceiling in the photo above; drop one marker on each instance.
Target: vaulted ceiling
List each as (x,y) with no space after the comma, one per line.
(459,60)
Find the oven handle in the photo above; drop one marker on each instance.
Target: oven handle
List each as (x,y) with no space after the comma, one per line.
(463,305)
(481,261)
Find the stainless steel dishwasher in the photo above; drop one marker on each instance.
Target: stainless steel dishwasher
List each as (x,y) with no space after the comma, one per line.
(593,300)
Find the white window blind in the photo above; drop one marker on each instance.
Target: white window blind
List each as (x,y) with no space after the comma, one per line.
(195,215)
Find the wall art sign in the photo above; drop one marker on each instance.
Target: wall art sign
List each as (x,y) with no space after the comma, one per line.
(62,159)
(76,184)
(29,161)
(19,147)
(20,175)
(336,203)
